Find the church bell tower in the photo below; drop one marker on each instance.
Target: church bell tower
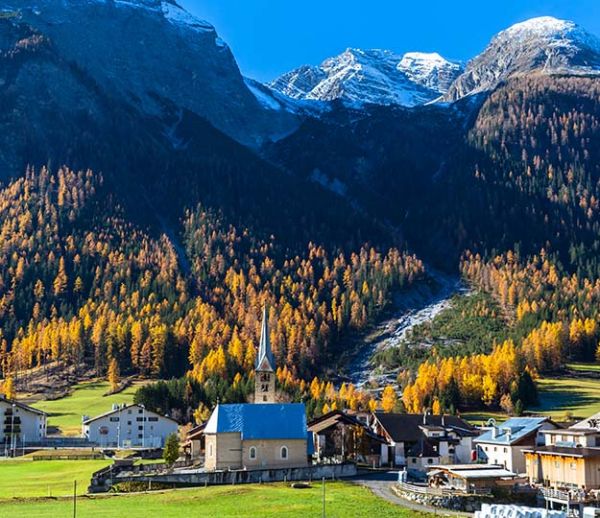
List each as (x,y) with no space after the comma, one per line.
(264,381)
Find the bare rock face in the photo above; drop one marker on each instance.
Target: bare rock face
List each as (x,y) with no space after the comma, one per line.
(374,76)
(541,45)
(147,51)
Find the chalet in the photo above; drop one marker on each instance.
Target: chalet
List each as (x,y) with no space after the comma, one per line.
(20,424)
(504,444)
(338,436)
(563,467)
(569,458)
(129,426)
(259,435)
(421,440)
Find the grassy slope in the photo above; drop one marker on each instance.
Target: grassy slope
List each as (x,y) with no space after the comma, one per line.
(269,500)
(559,395)
(26,478)
(86,399)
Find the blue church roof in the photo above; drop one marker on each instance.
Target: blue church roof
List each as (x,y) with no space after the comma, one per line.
(512,430)
(260,421)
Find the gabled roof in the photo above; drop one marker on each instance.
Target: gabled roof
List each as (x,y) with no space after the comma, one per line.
(122,408)
(22,406)
(424,448)
(264,359)
(196,432)
(407,427)
(589,422)
(513,430)
(473,471)
(335,417)
(260,421)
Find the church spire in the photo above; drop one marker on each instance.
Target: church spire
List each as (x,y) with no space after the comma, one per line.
(264,359)
(264,382)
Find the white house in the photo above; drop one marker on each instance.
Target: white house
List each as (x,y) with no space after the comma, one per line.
(128,426)
(20,423)
(419,441)
(503,445)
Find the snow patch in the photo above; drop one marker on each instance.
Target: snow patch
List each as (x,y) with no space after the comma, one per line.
(180,16)
(263,98)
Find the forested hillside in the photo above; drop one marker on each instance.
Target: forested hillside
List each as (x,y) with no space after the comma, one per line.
(83,286)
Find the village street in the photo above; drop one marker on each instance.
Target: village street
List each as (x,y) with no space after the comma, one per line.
(380,483)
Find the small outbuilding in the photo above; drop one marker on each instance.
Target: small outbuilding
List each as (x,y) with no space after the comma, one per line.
(470,478)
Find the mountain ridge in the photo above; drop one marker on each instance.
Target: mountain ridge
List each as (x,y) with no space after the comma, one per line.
(372,76)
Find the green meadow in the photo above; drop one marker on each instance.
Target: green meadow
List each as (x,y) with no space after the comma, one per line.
(85,399)
(269,500)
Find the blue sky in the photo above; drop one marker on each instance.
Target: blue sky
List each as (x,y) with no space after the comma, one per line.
(269,37)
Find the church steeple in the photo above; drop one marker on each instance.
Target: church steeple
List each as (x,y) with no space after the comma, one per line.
(264,382)
(264,359)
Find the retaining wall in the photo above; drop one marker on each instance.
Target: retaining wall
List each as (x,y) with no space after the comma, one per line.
(197,477)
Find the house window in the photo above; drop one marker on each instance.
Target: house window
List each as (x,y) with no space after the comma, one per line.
(153,419)
(210,449)
(284,452)
(252,453)
(505,450)
(414,461)
(429,461)
(114,419)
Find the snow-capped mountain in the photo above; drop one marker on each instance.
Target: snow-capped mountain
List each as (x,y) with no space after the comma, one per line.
(543,45)
(374,76)
(153,53)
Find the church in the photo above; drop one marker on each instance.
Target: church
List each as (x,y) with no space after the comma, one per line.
(263,434)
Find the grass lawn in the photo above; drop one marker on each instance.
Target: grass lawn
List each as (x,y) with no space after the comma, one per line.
(85,399)
(559,395)
(584,367)
(480,417)
(27,478)
(269,500)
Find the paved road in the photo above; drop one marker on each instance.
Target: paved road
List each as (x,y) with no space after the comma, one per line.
(380,484)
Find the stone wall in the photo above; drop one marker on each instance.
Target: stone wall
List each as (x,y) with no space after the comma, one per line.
(454,502)
(198,477)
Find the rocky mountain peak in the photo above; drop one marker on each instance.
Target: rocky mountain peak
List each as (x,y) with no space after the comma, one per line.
(371,76)
(543,45)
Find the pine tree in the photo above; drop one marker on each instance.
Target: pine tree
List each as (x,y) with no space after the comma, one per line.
(171,451)
(113,375)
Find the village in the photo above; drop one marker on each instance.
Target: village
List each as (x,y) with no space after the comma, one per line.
(431,461)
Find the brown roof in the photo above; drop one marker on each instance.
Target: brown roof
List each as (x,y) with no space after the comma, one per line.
(196,432)
(406,427)
(336,417)
(565,451)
